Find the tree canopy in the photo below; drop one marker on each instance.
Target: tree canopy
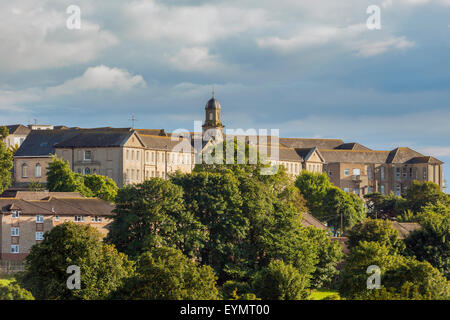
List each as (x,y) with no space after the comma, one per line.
(6,161)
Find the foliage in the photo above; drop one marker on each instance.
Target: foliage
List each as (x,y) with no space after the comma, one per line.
(380,231)
(6,161)
(420,194)
(235,290)
(102,268)
(35,186)
(60,178)
(396,272)
(384,207)
(280,281)
(314,187)
(102,187)
(153,214)
(166,274)
(432,242)
(329,254)
(13,291)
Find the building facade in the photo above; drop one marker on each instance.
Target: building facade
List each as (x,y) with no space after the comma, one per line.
(25,217)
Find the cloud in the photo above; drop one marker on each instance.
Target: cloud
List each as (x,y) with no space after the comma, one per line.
(34,36)
(373,48)
(193,24)
(437,151)
(99,78)
(195,59)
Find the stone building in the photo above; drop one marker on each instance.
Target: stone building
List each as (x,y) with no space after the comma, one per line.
(26,216)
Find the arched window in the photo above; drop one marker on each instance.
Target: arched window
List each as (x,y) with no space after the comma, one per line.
(38,171)
(87,171)
(24,170)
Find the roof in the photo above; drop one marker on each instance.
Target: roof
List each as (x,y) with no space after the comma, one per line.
(352,146)
(428,159)
(56,206)
(212,104)
(99,137)
(309,220)
(41,143)
(310,143)
(402,155)
(18,129)
(163,142)
(354,156)
(38,195)
(405,228)
(152,132)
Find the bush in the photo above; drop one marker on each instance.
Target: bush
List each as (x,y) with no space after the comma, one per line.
(14,291)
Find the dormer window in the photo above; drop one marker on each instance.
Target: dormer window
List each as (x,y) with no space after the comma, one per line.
(15,214)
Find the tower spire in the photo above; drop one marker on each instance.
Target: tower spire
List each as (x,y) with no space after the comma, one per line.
(213,93)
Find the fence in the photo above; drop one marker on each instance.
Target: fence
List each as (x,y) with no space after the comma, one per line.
(10,267)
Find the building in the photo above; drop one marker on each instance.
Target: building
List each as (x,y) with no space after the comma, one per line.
(25,218)
(130,156)
(17,135)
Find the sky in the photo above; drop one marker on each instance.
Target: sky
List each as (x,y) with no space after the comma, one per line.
(312,69)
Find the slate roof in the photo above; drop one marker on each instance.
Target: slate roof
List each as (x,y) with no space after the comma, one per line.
(310,143)
(161,142)
(52,206)
(41,143)
(405,228)
(354,156)
(18,129)
(402,155)
(428,159)
(352,146)
(38,195)
(152,132)
(310,220)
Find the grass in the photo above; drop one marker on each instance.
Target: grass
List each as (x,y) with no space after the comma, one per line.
(320,294)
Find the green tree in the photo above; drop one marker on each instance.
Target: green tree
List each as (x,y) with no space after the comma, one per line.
(314,187)
(329,254)
(380,231)
(343,207)
(384,207)
(102,268)
(279,281)
(420,194)
(153,214)
(6,161)
(396,272)
(101,186)
(13,291)
(432,242)
(60,178)
(166,274)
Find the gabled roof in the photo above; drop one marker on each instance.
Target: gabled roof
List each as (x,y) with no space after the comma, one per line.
(402,155)
(38,195)
(18,129)
(352,146)
(309,143)
(152,132)
(428,159)
(163,142)
(41,143)
(354,156)
(310,220)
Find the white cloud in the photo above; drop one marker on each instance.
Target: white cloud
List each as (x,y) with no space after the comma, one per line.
(195,59)
(194,25)
(34,36)
(99,78)
(373,48)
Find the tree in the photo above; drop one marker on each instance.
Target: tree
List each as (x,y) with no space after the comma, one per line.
(380,231)
(60,178)
(343,208)
(329,254)
(279,281)
(101,186)
(153,214)
(432,242)
(102,268)
(314,187)
(6,161)
(166,274)
(396,272)
(384,207)
(13,291)
(419,194)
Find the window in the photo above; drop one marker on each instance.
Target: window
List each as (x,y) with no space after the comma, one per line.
(132,155)
(382,189)
(370,190)
(397,173)
(356,172)
(78,219)
(39,236)
(39,219)
(24,170)
(96,219)
(37,171)
(15,214)
(356,191)
(382,173)
(14,232)
(128,154)
(56,218)
(346,172)
(210,116)
(87,171)
(404,173)
(87,155)
(411,172)
(15,248)
(398,190)
(346,189)
(424,173)
(369,173)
